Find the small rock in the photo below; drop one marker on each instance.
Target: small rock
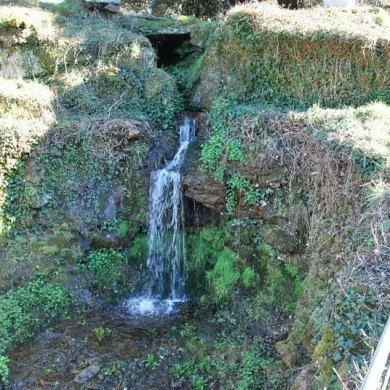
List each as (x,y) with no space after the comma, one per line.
(104,2)
(176,385)
(41,201)
(85,243)
(85,296)
(86,374)
(111,8)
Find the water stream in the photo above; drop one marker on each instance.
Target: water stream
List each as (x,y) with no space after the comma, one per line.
(166,264)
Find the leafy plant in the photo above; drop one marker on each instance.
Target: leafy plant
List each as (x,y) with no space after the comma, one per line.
(150,361)
(224,276)
(139,247)
(107,268)
(4,371)
(100,333)
(249,277)
(24,310)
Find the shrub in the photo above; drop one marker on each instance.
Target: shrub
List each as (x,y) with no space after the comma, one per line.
(24,310)
(4,371)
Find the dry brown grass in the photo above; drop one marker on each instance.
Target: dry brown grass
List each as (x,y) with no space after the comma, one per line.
(350,24)
(324,151)
(33,22)
(27,112)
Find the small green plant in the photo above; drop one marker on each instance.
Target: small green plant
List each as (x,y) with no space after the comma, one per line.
(100,333)
(224,276)
(123,228)
(139,247)
(199,383)
(4,371)
(249,277)
(238,184)
(234,150)
(150,361)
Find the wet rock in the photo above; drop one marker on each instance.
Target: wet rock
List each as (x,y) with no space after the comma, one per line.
(85,243)
(205,190)
(279,239)
(86,374)
(101,3)
(111,8)
(197,215)
(108,239)
(271,178)
(85,296)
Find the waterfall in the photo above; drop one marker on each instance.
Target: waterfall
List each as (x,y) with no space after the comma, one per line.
(166,264)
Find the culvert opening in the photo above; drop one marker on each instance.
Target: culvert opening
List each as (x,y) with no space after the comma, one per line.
(166,46)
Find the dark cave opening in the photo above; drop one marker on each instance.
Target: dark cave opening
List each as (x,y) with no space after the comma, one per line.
(166,46)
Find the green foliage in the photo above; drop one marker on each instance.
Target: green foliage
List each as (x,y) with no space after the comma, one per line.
(324,352)
(204,9)
(187,72)
(100,333)
(212,151)
(4,371)
(224,276)
(123,227)
(236,360)
(234,151)
(150,361)
(355,312)
(24,310)
(280,60)
(12,23)
(282,287)
(107,269)
(203,248)
(139,247)
(253,365)
(64,7)
(237,183)
(249,277)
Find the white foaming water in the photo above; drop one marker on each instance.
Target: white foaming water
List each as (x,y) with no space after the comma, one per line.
(143,306)
(167,267)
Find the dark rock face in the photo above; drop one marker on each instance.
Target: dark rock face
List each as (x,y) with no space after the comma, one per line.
(289,4)
(166,45)
(109,6)
(202,189)
(283,230)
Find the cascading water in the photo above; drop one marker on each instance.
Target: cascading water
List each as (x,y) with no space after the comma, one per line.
(166,264)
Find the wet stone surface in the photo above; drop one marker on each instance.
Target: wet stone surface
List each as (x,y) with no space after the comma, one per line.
(100,350)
